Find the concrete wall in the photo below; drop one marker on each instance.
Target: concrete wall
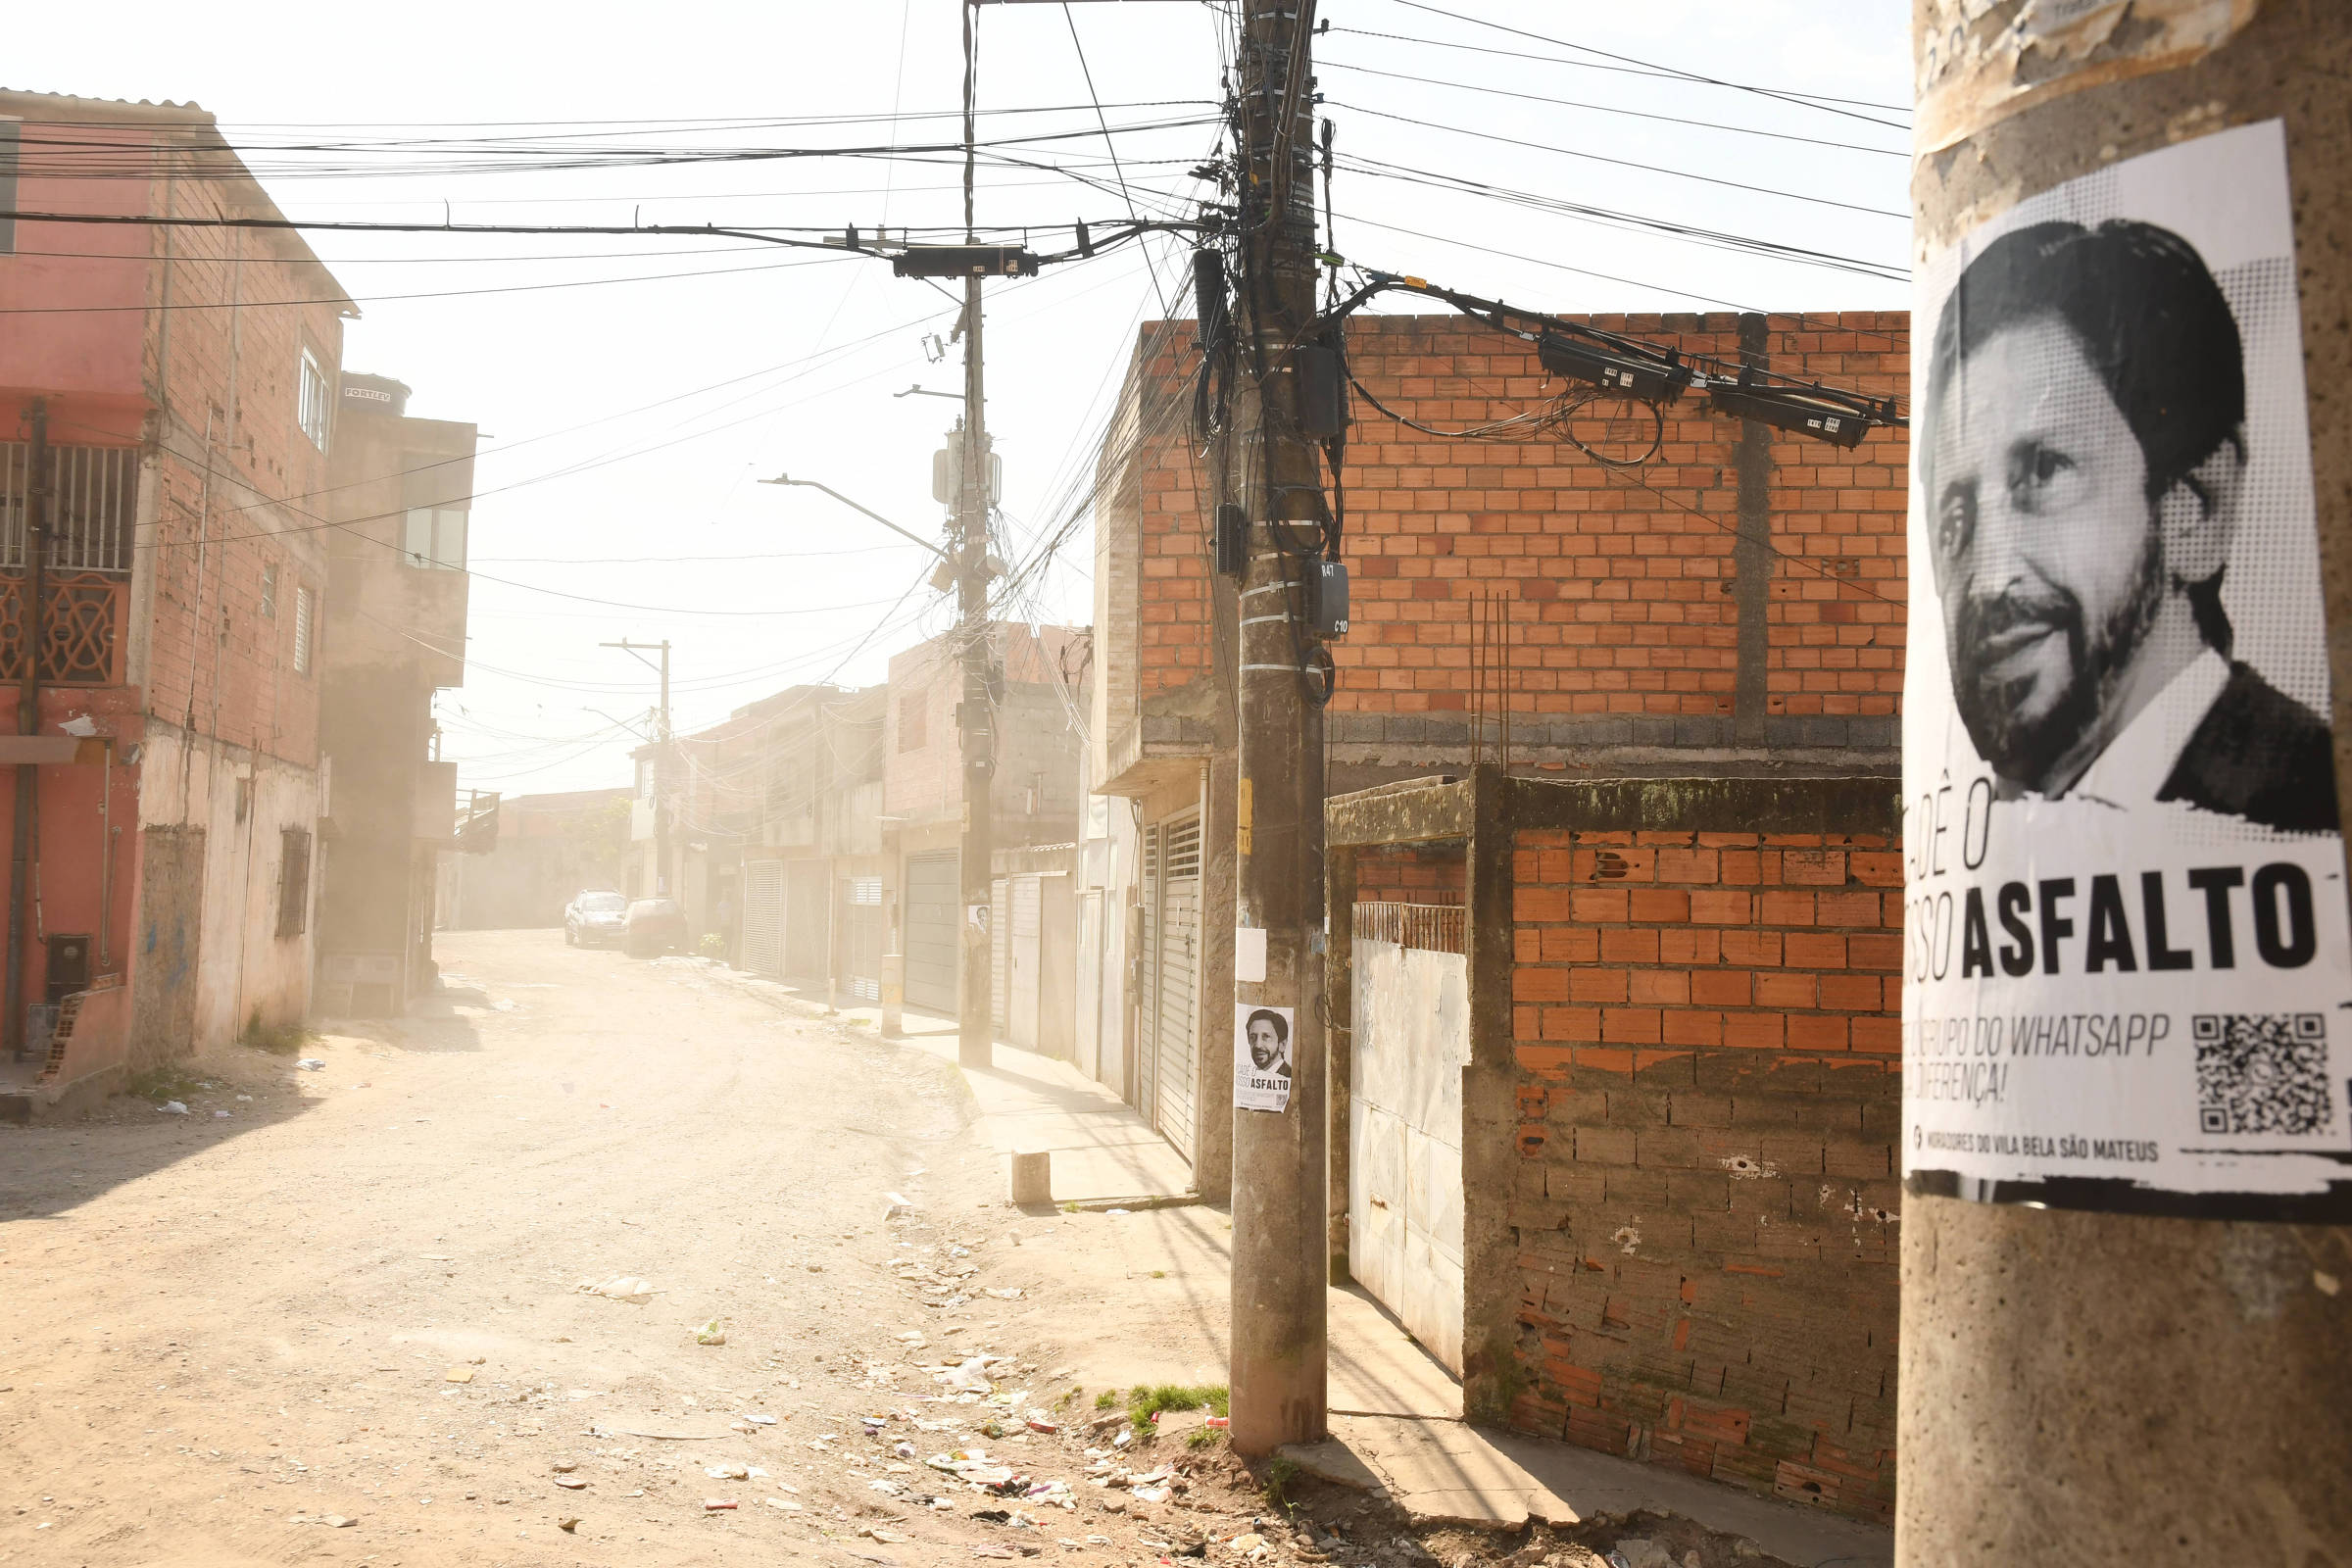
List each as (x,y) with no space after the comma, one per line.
(1705,1029)
(239,801)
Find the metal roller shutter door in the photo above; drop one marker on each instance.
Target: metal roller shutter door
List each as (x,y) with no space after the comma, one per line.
(934,892)
(1179,981)
(764,916)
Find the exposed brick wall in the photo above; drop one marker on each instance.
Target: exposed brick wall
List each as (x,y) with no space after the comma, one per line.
(234,468)
(1705,1033)
(1625,580)
(1409,874)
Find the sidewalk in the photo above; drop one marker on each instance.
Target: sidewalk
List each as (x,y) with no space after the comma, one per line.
(1396,1422)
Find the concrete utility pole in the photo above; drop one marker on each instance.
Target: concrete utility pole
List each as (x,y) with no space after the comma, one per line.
(2101,1388)
(663,782)
(1280,1350)
(976,714)
(29,719)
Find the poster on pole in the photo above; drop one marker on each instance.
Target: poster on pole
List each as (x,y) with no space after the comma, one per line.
(1261,1057)
(2128,967)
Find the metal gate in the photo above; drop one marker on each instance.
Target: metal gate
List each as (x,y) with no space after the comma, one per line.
(862,938)
(1172,964)
(807,919)
(999,959)
(764,916)
(934,894)
(1024,960)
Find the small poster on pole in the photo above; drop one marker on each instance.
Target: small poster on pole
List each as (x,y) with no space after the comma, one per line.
(1261,1057)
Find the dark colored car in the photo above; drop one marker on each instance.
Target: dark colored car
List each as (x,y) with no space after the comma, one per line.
(594,920)
(655,926)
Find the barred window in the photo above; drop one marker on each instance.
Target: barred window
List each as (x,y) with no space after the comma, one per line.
(270,592)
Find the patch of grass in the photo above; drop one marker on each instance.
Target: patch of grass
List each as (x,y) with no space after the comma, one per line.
(160,1084)
(1107,1399)
(1067,1394)
(1281,1470)
(277,1039)
(1203,1438)
(1142,1403)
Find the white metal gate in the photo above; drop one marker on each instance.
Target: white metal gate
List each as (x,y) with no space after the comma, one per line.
(999,957)
(1024,958)
(1411,1038)
(764,916)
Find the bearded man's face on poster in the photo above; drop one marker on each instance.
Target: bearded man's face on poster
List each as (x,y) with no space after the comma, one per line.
(2047,554)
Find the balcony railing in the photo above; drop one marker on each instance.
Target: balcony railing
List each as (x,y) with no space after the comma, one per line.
(93,500)
(82,629)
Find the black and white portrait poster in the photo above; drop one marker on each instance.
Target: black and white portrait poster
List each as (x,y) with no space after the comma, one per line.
(2127,973)
(1261,1057)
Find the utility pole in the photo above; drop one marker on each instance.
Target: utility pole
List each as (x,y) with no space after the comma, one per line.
(663,782)
(1280,1332)
(28,718)
(976,714)
(2151,1369)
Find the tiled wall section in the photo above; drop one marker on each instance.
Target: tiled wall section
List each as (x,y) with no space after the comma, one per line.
(1705,1028)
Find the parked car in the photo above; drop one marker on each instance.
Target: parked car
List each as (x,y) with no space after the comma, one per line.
(593,917)
(655,926)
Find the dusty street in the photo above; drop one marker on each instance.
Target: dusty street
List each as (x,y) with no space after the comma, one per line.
(356,1295)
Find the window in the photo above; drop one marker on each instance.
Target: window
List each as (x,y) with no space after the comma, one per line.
(913,713)
(305,613)
(310,399)
(434,537)
(293,881)
(270,592)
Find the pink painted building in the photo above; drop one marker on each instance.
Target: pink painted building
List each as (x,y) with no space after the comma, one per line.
(166,403)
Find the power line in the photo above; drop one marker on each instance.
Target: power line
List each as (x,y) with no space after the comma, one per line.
(1612,109)
(421,294)
(1635,222)
(1627,163)
(1804,100)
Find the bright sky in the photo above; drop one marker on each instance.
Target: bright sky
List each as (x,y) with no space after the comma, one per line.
(628,418)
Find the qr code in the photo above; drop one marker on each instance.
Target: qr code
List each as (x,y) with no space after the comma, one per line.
(2262,1072)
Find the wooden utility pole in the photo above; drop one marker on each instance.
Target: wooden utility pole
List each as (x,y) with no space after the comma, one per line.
(976,714)
(1279,1264)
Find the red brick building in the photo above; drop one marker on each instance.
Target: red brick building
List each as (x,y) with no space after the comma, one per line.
(185,378)
(1668,1007)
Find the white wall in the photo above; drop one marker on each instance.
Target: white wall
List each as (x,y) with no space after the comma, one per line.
(1412,1037)
(242,964)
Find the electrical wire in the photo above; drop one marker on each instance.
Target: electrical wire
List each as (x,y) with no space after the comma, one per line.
(1626,65)
(1627,163)
(425,294)
(1634,223)
(1613,109)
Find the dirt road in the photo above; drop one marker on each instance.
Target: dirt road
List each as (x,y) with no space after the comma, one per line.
(355,1296)
(341,1312)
